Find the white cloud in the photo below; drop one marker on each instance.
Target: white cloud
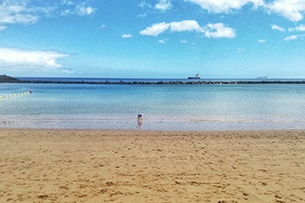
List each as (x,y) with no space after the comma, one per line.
(163,5)
(300,28)
(26,58)
(155,29)
(290,38)
(67,2)
(143,4)
(127,36)
(225,6)
(16,14)
(219,30)
(85,10)
(82,9)
(185,25)
(276,27)
(294,37)
(292,9)
(181,26)
(26,12)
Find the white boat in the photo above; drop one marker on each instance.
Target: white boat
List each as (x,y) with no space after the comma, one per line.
(197,76)
(262,78)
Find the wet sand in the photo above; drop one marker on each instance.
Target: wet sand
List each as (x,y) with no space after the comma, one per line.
(151,166)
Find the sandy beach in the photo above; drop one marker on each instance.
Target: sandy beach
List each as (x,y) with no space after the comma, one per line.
(151,166)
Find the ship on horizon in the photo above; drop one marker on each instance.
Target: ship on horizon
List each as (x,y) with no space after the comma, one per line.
(197,76)
(262,78)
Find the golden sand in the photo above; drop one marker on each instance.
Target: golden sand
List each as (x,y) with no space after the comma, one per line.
(143,166)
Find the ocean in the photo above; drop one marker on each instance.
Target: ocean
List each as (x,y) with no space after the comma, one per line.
(165,107)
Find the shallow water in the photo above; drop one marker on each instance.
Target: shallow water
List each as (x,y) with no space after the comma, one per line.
(165,107)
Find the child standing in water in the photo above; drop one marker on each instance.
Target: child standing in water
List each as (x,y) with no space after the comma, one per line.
(140,119)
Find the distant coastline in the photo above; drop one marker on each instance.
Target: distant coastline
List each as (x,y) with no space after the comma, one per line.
(139,81)
(8,79)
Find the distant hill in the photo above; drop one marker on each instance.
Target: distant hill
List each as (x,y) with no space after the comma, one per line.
(8,79)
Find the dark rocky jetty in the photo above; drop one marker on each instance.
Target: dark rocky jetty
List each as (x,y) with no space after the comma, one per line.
(8,79)
(168,82)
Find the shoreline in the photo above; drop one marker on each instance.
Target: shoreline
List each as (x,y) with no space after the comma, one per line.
(55,165)
(136,130)
(130,124)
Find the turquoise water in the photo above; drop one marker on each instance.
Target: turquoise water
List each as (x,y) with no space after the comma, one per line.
(165,107)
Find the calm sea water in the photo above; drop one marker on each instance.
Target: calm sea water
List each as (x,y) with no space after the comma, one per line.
(165,107)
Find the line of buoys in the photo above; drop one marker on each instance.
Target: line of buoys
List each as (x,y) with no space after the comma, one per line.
(15,95)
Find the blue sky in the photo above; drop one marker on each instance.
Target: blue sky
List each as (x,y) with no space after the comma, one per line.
(153,38)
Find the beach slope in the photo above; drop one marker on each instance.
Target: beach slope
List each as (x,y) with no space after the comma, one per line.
(145,166)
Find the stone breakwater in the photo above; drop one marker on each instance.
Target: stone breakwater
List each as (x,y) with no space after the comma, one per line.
(167,82)
(9,79)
